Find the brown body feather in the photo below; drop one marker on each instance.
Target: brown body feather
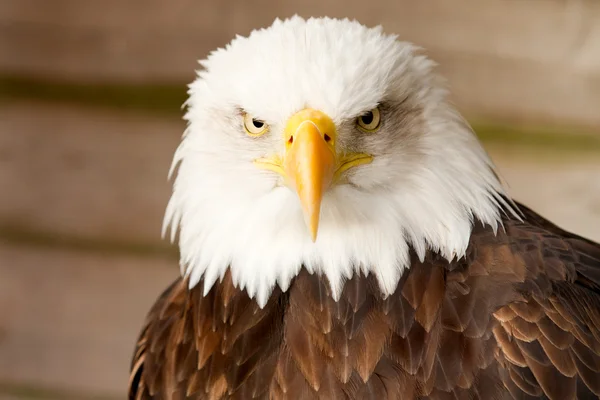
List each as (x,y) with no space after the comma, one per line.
(517,318)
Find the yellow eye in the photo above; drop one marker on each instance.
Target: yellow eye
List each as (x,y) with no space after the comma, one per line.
(369,121)
(253,126)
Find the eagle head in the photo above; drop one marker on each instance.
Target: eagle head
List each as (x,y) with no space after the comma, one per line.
(326,145)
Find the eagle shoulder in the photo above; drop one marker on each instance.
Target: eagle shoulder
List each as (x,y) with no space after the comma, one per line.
(549,338)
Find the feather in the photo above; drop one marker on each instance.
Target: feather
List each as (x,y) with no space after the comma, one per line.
(376,334)
(426,313)
(531,311)
(307,357)
(528,385)
(552,332)
(560,359)
(589,377)
(509,347)
(587,357)
(449,360)
(408,351)
(555,385)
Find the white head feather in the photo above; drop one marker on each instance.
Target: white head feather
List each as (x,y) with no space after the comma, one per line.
(429,179)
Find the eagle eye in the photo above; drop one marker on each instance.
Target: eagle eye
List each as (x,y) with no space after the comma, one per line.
(369,121)
(254,127)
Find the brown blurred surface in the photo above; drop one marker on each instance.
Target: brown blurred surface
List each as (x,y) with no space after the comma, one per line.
(85,172)
(84,187)
(70,318)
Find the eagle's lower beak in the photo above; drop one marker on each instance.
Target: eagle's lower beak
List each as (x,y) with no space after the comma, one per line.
(311,163)
(310,160)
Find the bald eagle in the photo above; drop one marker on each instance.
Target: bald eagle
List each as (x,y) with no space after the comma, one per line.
(343,235)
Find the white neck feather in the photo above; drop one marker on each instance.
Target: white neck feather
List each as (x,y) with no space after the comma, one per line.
(265,241)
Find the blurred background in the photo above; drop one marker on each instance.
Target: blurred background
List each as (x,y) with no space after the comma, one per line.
(90,96)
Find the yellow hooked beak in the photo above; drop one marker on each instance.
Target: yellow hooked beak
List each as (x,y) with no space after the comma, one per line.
(311,164)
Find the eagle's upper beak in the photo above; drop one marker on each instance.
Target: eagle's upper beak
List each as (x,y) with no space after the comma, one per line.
(311,162)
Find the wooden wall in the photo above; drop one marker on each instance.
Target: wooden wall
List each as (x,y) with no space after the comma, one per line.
(83,188)
(537,59)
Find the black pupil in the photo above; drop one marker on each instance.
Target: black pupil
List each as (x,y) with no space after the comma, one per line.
(257,124)
(367,118)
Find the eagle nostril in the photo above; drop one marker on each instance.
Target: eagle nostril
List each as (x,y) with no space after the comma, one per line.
(327,138)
